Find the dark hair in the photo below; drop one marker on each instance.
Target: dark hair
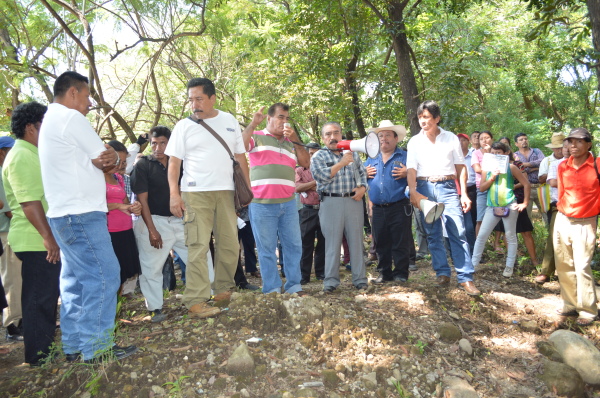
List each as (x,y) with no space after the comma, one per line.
(488,133)
(520,135)
(500,146)
(208,88)
(160,131)
(504,138)
(67,80)
(273,108)
(29,112)
(430,106)
(475,132)
(117,146)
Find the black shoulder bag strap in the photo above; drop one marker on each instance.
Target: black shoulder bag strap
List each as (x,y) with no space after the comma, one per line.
(214,133)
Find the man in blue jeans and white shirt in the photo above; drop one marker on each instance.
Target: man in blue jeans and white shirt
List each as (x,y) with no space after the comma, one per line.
(435,159)
(72,158)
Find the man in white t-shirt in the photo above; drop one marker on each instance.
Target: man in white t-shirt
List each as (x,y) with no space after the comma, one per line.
(206,197)
(435,160)
(72,159)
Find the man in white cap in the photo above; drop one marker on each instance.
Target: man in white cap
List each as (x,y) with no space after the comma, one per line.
(390,208)
(548,267)
(435,160)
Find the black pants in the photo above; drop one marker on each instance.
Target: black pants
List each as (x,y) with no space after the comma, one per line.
(391,231)
(309,228)
(39,299)
(247,237)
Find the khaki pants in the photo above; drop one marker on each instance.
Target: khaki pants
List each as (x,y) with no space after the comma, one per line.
(574,241)
(10,269)
(207,212)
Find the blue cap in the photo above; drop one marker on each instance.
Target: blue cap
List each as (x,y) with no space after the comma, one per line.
(6,142)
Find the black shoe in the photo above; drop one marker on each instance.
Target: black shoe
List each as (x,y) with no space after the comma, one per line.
(413,267)
(249,286)
(398,278)
(73,357)
(381,279)
(304,281)
(320,277)
(157,316)
(329,289)
(14,333)
(115,352)
(362,286)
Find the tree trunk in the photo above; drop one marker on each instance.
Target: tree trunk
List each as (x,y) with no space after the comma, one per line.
(352,88)
(594,14)
(408,83)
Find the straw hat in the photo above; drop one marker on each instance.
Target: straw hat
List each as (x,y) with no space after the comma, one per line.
(556,141)
(387,125)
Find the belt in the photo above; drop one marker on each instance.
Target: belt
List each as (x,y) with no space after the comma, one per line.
(535,185)
(316,207)
(472,188)
(338,195)
(390,204)
(438,178)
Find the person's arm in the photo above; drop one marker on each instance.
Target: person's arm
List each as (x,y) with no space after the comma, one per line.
(415,196)
(124,207)
(526,185)
(534,164)
(344,161)
(153,234)
(257,119)
(461,172)
(306,186)
(107,159)
(176,203)
(486,183)
(553,183)
(34,211)
(543,178)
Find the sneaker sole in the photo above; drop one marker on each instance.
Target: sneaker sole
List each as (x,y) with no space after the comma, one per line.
(209,312)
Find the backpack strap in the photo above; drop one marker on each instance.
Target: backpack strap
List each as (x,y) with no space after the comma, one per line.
(214,133)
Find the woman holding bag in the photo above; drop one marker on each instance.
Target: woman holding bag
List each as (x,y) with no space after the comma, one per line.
(502,205)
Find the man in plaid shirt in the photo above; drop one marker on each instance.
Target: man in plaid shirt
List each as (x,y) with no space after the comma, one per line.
(341,183)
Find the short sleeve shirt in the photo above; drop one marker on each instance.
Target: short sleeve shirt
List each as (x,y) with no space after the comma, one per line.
(4,220)
(206,163)
(22,179)
(149,175)
(578,189)
(434,159)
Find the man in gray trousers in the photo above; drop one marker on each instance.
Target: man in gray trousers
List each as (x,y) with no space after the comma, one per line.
(341,183)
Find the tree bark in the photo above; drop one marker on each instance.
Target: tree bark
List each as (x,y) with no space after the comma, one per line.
(594,15)
(352,88)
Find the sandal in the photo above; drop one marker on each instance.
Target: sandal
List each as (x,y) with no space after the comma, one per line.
(567,313)
(585,321)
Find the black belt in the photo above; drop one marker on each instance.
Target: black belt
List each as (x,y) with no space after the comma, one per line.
(472,188)
(316,207)
(389,204)
(338,195)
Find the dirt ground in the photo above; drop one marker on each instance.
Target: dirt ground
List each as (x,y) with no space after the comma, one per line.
(387,342)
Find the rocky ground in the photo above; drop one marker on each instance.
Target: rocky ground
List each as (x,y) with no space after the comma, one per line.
(395,340)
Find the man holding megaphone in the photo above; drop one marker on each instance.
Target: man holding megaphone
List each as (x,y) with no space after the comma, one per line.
(341,184)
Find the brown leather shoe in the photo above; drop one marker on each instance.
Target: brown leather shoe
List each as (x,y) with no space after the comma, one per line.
(541,279)
(226,295)
(470,288)
(442,280)
(203,310)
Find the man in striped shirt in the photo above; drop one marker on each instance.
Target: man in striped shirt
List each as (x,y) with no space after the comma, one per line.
(273,211)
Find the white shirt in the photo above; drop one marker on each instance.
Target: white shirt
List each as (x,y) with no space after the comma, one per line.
(67,146)
(552,175)
(206,164)
(434,159)
(545,165)
(471,172)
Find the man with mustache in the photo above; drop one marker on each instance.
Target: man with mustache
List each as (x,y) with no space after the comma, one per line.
(531,159)
(435,160)
(206,197)
(341,183)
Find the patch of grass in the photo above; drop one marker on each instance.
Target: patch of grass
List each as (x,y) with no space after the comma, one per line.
(402,393)
(175,386)
(474,307)
(421,346)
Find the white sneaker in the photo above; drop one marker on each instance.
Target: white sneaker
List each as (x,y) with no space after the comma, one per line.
(508,271)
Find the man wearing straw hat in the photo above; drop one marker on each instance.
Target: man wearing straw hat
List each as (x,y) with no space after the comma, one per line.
(391,209)
(435,159)
(556,144)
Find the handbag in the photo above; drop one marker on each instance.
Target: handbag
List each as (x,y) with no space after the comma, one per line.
(242,193)
(501,211)
(543,192)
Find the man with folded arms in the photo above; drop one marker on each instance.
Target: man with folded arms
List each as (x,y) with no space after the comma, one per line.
(575,228)
(390,207)
(435,159)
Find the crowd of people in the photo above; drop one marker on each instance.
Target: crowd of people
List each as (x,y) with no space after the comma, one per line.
(87,221)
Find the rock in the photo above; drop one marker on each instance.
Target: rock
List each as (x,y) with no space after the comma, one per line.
(370,380)
(133,375)
(465,346)
(330,378)
(453,315)
(241,362)
(303,310)
(306,393)
(455,387)
(449,332)
(360,298)
(287,394)
(308,340)
(549,351)
(530,326)
(578,352)
(562,379)
(244,393)
(158,390)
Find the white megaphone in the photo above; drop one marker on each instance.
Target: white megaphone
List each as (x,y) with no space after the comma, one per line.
(368,145)
(431,210)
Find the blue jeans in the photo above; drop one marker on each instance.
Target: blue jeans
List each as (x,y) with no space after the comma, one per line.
(268,221)
(445,192)
(89,281)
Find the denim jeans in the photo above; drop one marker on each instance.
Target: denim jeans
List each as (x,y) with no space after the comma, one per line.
(269,220)
(445,192)
(89,281)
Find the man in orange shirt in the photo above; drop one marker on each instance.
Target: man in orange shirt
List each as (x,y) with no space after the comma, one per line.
(575,228)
